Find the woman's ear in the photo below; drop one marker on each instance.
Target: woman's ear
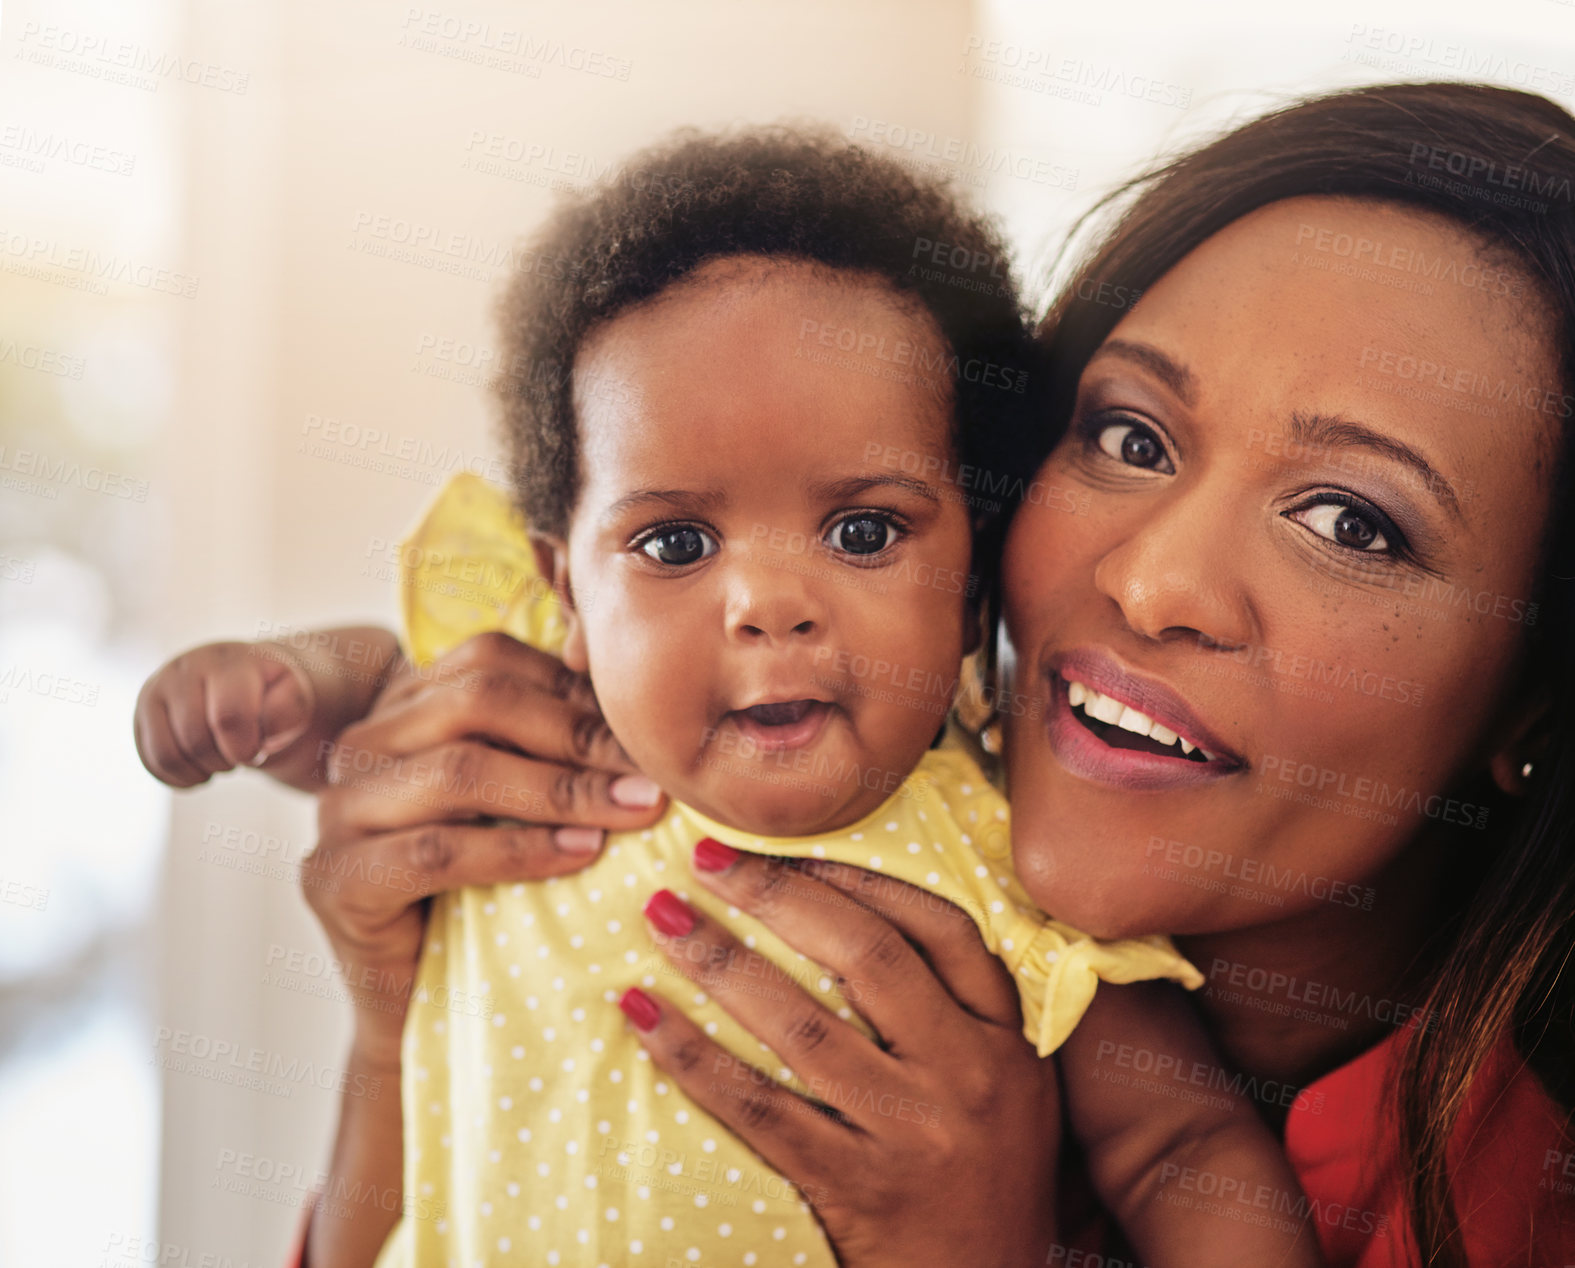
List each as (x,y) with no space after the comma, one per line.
(552,562)
(1526,738)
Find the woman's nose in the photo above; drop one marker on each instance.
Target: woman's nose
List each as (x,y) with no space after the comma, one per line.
(1178,572)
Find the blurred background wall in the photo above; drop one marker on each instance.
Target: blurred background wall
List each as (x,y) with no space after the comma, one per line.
(248,253)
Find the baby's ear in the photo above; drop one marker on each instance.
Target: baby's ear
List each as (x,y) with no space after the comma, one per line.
(976,609)
(973,621)
(552,562)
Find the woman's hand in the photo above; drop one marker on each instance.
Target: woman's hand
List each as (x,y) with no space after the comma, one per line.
(494,731)
(969,1178)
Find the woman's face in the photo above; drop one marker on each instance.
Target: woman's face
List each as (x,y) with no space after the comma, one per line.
(1312,471)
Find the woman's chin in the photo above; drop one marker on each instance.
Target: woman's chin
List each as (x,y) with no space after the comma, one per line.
(1098,901)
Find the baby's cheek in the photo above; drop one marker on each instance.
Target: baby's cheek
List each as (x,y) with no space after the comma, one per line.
(662,721)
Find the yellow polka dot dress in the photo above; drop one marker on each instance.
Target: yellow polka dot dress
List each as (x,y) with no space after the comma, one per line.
(537,1130)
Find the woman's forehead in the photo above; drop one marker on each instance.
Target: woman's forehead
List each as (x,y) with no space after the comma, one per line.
(1428,336)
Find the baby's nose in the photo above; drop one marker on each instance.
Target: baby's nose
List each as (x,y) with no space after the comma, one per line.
(771,603)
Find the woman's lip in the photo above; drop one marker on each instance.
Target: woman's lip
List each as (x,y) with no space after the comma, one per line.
(1096,668)
(778,739)
(1087,756)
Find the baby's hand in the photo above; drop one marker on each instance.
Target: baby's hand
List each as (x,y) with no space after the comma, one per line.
(220,706)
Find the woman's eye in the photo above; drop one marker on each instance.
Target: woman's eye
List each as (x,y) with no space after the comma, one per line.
(1134,445)
(1345,525)
(679,546)
(861,535)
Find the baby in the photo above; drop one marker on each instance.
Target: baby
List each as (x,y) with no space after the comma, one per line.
(751,392)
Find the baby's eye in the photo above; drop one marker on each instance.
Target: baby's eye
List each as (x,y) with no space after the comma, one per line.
(679,546)
(1134,445)
(861,534)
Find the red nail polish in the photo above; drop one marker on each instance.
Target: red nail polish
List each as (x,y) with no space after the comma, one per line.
(669,913)
(712,856)
(640,1008)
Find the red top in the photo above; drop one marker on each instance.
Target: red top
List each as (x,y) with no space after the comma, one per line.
(1512,1165)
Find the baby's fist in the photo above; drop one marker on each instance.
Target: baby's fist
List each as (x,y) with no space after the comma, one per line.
(220,706)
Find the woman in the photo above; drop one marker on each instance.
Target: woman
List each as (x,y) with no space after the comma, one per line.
(1318,477)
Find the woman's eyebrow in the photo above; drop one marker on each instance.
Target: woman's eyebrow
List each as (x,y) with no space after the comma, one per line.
(1333,431)
(1161,365)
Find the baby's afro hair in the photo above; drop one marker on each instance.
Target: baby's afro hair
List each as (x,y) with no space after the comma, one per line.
(793,193)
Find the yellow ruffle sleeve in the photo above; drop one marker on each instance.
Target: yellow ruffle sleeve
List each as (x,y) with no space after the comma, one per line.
(467,568)
(1059,968)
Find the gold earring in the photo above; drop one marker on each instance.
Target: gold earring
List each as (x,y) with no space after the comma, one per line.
(990,737)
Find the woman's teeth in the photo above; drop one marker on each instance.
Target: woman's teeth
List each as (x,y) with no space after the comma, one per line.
(1104,708)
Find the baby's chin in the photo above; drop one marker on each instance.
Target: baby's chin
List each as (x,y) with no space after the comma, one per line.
(775,804)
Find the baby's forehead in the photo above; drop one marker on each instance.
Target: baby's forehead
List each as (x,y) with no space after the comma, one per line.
(789,287)
(806,361)
(771,309)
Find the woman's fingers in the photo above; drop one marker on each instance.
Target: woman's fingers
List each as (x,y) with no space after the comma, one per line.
(879,972)
(940,930)
(767,1000)
(373,790)
(365,883)
(505,709)
(496,687)
(498,652)
(793,1135)
(450,741)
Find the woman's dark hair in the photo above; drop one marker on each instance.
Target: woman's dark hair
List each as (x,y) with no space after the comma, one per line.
(792,193)
(1501,165)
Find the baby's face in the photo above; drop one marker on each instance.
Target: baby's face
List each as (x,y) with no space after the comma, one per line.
(769,555)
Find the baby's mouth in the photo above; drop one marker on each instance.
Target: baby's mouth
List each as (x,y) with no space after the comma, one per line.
(782,713)
(783,724)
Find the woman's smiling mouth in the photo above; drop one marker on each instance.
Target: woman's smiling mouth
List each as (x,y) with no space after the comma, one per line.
(1122,726)
(1112,727)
